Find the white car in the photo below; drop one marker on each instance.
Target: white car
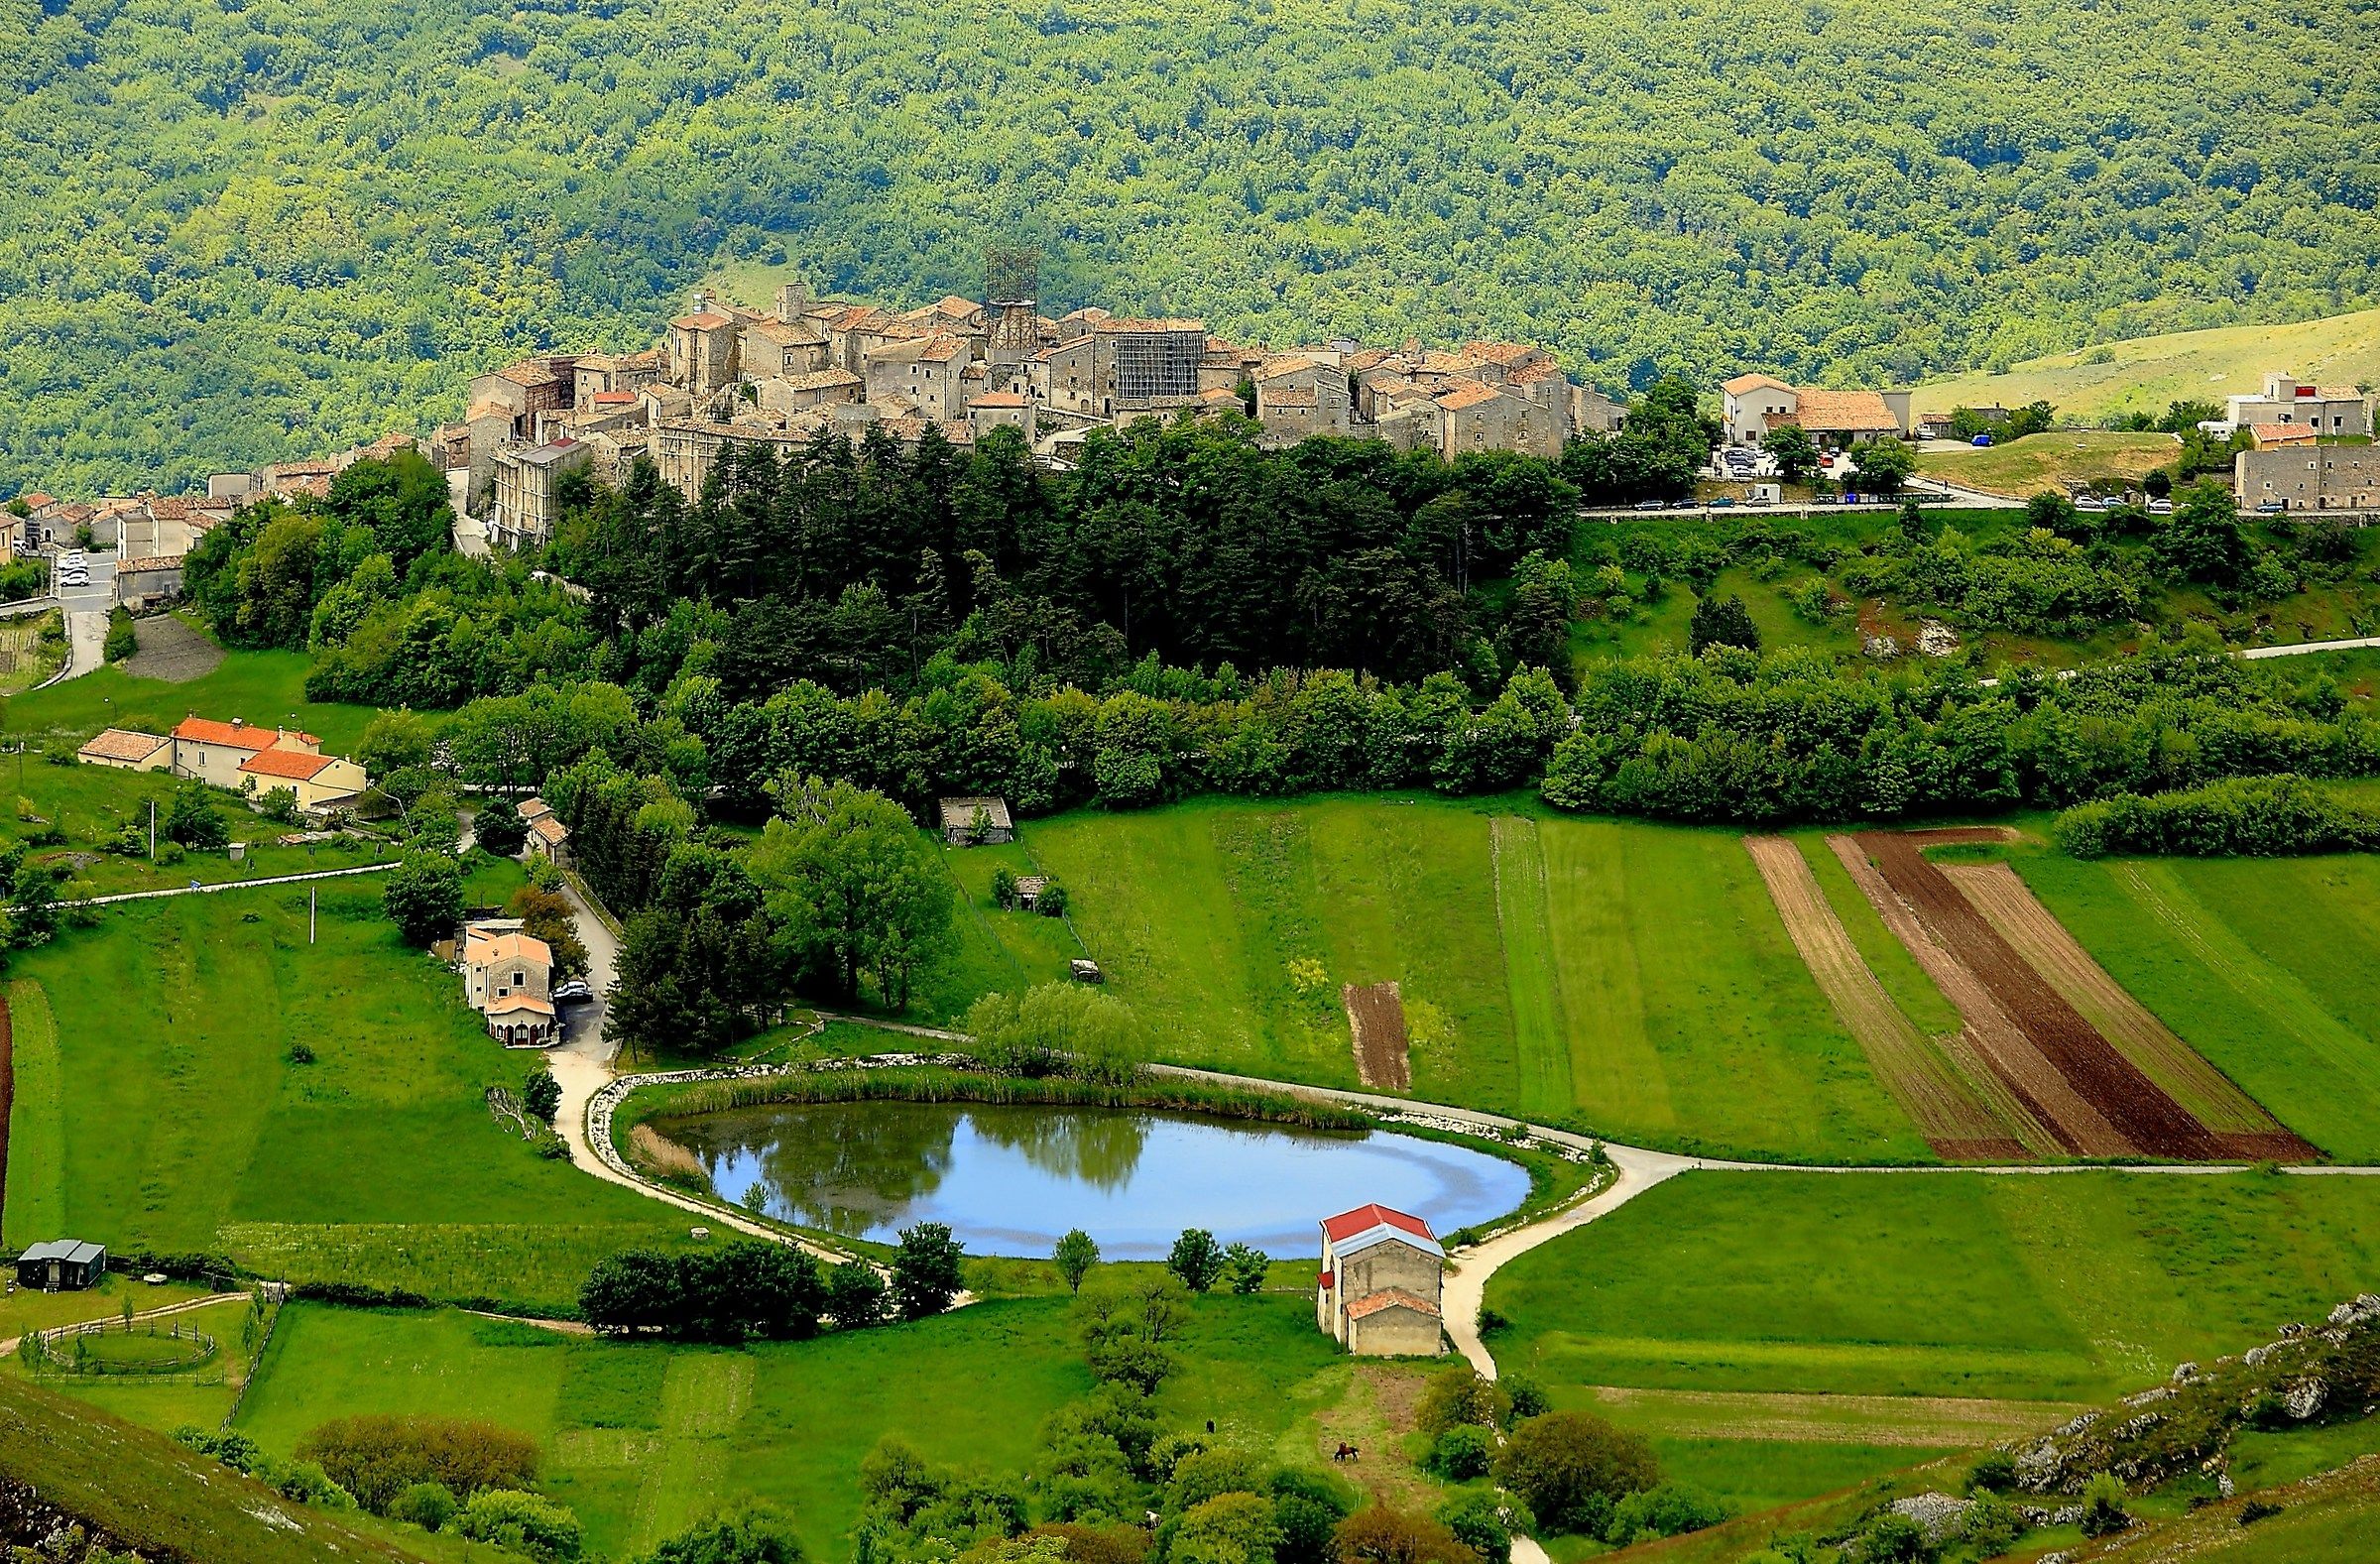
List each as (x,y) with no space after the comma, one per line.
(73,578)
(2160,507)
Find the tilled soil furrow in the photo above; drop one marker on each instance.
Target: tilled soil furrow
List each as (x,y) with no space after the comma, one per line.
(2040,1105)
(1375,1020)
(2134,1105)
(1927,1085)
(2181,1071)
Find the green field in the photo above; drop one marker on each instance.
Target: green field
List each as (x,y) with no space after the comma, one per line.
(2263,965)
(2145,374)
(179,1124)
(1634,979)
(268,689)
(1773,1304)
(2053,462)
(642,1439)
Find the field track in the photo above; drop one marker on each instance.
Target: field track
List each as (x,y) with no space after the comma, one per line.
(1375,1018)
(8,1092)
(2049,1117)
(1955,1121)
(2181,1071)
(2145,1118)
(1907,1421)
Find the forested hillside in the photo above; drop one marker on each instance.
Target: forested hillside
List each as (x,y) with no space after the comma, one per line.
(232,231)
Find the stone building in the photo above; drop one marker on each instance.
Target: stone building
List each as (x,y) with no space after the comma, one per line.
(1752,405)
(702,349)
(2310,477)
(2327,410)
(508,977)
(526,478)
(1378,1291)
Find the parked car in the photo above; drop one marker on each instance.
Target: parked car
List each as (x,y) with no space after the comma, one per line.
(2270,507)
(572,989)
(2160,507)
(1648,504)
(2090,502)
(1722,503)
(1981,442)
(73,578)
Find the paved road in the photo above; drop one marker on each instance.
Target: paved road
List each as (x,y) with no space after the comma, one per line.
(210,888)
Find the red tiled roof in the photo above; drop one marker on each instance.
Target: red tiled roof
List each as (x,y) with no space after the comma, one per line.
(2283,433)
(1391,1299)
(996,399)
(1468,395)
(237,735)
(294,763)
(1845,412)
(1744,383)
(123,744)
(36,501)
(705,322)
(1347,1224)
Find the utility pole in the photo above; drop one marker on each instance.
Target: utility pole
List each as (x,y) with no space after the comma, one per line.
(153,830)
(309,914)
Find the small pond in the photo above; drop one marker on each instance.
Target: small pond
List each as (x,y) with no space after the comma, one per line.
(1009,1179)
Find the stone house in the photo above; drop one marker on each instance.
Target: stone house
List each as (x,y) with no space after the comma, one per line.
(547,834)
(600,374)
(1752,405)
(2310,477)
(772,348)
(127,750)
(1145,366)
(2285,399)
(702,349)
(817,388)
(1478,416)
(1379,1292)
(252,761)
(995,409)
(508,977)
(1300,395)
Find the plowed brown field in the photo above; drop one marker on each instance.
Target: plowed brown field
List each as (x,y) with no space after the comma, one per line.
(2118,1093)
(1930,1088)
(1376,1014)
(2043,1110)
(2181,1071)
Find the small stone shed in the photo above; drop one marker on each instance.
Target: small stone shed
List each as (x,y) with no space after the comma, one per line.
(968,822)
(61,1264)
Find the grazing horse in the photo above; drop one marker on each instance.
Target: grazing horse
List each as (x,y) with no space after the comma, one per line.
(1346,1452)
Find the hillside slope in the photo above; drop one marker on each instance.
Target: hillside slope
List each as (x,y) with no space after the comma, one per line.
(2147,374)
(236,232)
(142,1490)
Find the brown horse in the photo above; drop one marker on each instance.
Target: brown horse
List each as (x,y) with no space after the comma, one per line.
(1347,1452)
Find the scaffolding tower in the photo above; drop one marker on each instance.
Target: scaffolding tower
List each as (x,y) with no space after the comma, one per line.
(1011,303)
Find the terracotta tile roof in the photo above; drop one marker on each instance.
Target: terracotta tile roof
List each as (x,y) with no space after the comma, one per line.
(294,763)
(705,320)
(822,380)
(123,744)
(2338,394)
(512,1002)
(1391,1299)
(785,334)
(2283,433)
(533,372)
(954,307)
(173,509)
(136,565)
(1845,412)
(36,501)
(1530,374)
(230,735)
(1470,394)
(550,831)
(1744,383)
(998,398)
(1113,326)
(944,347)
(1287,397)
(510,945)
(1347,1224)
(533,808)
(1499,352)
(612,399)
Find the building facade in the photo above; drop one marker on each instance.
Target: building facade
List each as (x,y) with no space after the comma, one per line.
(2309,477)
(1379,1293)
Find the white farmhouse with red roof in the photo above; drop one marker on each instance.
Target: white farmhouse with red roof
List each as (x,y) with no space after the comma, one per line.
(253,760)
(1377,1296)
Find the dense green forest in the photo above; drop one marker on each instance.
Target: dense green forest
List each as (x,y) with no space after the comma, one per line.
(243,229)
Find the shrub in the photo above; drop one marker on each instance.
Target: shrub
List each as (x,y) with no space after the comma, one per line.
(752,1533)
(1003,890)
(2263,817)
(525,1522)
(741,1291)
(1894,1539)
(377,1458)
(1236,1527)
(1457,1396)
(192,819)
(856,1296)
(1380,1535)
(2256,1509)
(541,1094)
(306,1483)
(1570,1468)
(1463,1452)
(1526,1395)
(1058,1029)
(122,640)
(278,804)
(1993,1472)
(1245,1268)
(1662,1512)
(423,897)
(1990,1526)
(499,828)
(301,1052)
(2104,1510)
(428,1505)
(1478,1523)
(1052,902)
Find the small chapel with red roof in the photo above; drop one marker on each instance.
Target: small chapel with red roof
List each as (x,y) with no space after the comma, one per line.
(1379,1292)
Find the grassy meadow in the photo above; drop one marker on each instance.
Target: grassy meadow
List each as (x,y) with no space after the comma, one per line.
(1632,979)
(2263,965)
(268,689)
(2055,461)
(643,1439)
(173,1118)
(2146,374)
(1815,1329)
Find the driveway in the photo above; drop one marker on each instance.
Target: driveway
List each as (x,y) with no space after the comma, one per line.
(86,616)
(581,1064)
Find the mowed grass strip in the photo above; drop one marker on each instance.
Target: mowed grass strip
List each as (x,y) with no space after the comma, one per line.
(1540,1028)
(2263,965)
(1917,1073)
(1936,1422)
(35,1186)
(2068,1286)
(2047,946)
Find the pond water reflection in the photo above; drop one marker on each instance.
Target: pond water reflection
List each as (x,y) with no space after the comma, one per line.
(1009,1179)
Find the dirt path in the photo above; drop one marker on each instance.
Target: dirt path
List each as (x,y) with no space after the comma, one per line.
(8,1348)
(1376,1024)
(8,1092)
(1907,1421)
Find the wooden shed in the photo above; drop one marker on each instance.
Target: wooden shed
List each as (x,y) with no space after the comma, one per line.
(967,823)
(63,1264)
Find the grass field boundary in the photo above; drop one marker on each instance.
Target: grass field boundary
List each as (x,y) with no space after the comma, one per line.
(33,1185)
(1927,1422)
